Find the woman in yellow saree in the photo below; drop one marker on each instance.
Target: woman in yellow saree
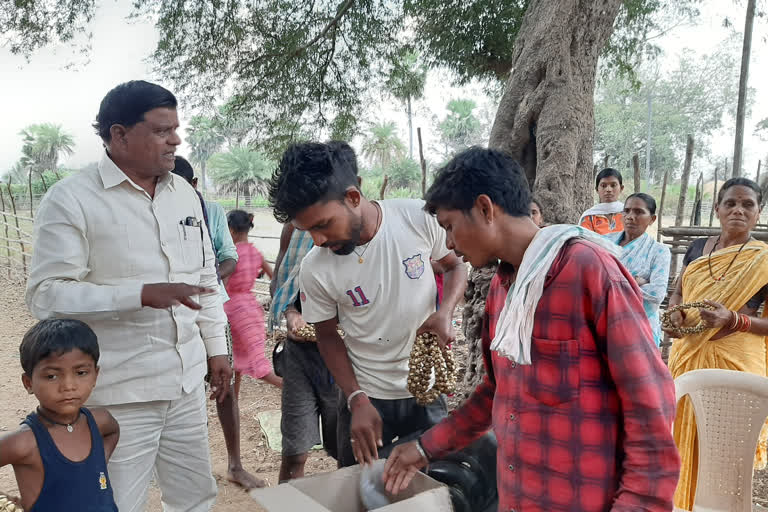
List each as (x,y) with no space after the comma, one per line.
(730,272)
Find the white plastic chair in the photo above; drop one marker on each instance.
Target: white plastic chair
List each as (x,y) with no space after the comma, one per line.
(730,409)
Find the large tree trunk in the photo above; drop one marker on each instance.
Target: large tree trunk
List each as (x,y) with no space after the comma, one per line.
(741,108)
(546,115)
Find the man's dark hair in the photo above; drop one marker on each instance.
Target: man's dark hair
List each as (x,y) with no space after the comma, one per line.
(127,103)
(343,152)
(184,169)
(54,337)
(649,201)
(744,182)
(307,174)
(608,172)
(240,221)
(477,171)
(536,201)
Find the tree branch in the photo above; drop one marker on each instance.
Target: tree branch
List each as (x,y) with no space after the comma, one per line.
(344,8)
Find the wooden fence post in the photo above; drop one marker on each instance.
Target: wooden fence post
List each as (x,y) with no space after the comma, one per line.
(7,238)
(423,166)
(714,200)
(696,213)
(31,201)
(636,166)
(661,204)
(18,231)
(684,181)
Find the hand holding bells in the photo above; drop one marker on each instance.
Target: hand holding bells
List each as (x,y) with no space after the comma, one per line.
(427,355)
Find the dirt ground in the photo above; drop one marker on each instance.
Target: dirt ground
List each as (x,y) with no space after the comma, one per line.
(255,397)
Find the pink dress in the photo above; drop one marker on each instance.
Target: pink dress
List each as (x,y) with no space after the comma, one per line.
(246,316)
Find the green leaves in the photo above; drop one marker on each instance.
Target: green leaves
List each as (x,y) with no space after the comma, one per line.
(43,144)
(382,145)
(460,128)
(243,169)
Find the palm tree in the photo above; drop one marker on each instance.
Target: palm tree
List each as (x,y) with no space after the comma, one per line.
(43,144)
(460,127)
(383,145)
(205,139)
(242,169)
(406,83)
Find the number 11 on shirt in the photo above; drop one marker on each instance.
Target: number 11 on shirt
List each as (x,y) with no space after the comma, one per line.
(363,299)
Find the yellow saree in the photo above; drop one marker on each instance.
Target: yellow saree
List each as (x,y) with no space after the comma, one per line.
(737,351)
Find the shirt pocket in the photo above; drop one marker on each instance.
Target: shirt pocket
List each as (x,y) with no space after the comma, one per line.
(191,244)
(553,376)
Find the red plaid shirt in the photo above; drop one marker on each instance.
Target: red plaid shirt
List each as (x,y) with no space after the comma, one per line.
(587,426)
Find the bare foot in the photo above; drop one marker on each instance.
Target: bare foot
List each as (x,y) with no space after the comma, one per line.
(245,480)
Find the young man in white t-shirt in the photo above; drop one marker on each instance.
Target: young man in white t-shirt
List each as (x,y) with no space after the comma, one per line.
(370,271)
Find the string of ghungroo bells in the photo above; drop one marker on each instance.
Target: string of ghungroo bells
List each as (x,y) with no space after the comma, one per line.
(7,505)
(666,319)
(308,332)
(426,355)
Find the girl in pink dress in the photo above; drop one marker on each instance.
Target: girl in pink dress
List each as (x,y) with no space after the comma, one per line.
(245,314)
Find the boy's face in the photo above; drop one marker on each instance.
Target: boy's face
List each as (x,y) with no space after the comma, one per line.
(467,235)
(609,189)
(62,382)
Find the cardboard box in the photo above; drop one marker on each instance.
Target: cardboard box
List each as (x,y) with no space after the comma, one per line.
(339,491)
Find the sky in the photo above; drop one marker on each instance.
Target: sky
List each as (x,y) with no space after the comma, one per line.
(46,90)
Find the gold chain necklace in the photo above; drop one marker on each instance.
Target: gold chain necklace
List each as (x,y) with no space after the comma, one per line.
(378,217)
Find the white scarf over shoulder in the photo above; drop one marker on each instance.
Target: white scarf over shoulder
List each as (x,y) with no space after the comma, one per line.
(514,327)
(604,209)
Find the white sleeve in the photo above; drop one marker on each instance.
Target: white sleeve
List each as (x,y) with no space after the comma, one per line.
(437,236)
(60,263)
(317,304)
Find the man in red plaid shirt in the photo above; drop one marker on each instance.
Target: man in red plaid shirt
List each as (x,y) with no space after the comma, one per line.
(583,405)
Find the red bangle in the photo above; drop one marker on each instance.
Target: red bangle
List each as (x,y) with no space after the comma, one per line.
(746,323)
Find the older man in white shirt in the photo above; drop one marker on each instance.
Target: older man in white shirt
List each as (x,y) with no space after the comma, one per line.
(125,249)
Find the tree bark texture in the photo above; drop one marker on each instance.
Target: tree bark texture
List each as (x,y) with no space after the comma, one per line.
(546,115)
(741,109)
(545,120)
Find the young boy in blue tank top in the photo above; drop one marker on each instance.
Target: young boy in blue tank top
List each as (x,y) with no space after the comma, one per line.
(59,453)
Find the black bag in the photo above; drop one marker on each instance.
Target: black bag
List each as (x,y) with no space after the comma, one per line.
(277,358)
(470,475)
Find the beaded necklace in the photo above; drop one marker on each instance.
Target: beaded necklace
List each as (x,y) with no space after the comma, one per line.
(709,260)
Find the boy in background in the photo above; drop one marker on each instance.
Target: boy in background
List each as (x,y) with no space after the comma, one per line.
(605,217)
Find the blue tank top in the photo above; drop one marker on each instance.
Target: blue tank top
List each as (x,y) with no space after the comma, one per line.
(68,485)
